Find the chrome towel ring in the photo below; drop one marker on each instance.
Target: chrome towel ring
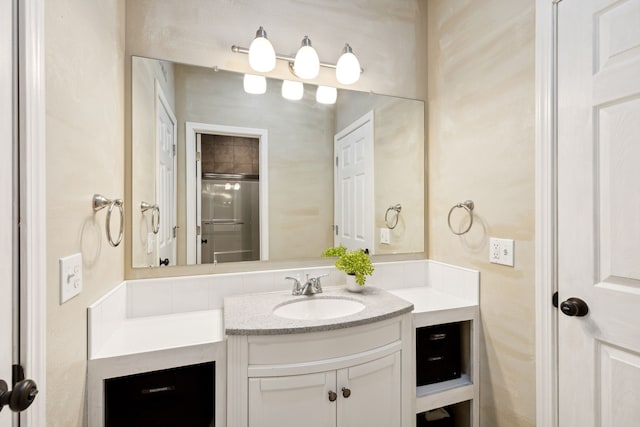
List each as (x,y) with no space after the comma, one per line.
(100,202)
(468,206)
(397,208)
(155,215)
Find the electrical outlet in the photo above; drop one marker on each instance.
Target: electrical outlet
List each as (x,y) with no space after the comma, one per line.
(501,251)
(70,277)
(385,236)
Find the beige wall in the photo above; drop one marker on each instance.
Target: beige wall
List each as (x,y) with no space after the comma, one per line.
(144,74)
(84,63)
(481,147)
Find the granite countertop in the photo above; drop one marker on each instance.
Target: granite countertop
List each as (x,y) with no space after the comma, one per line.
(253,314)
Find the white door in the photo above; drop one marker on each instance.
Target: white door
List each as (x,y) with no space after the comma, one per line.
(6,179)
(369,394)
(353,185)
(293,401)
(166,140)
(599,212)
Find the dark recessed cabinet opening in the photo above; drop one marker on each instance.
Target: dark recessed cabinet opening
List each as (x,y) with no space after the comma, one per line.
(449,416)
(176,397)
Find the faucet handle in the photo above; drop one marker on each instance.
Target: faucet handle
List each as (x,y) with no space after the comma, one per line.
(317,286)
(296,285)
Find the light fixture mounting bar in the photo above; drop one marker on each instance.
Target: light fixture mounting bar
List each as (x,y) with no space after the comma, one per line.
(289,59)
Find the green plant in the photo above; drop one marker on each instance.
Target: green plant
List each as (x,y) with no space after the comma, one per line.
(356,262)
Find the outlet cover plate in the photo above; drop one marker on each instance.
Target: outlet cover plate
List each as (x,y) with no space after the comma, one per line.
(70,277)
(501,251)
(385,236)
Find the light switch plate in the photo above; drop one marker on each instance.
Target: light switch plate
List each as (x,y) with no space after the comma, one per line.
(501,251)
(151,242)
(70,277)
(385,237)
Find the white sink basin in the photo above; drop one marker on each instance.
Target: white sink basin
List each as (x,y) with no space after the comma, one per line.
(318,308)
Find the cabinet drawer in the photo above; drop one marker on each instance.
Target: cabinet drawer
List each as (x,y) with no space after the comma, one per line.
(437,353)
(317,346)
(168,398)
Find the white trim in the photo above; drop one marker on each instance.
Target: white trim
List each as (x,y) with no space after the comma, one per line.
(33,203)
(192,129)
(546,220)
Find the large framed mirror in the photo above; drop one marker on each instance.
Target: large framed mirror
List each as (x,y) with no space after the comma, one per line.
(220,175)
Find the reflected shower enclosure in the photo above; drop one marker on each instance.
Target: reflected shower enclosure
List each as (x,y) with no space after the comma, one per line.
(229,199)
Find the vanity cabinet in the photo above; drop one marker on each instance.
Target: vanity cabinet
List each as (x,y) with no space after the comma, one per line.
(366,394)
(353,376)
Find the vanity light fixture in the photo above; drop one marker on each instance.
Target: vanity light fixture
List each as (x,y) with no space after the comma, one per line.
(262,56)
(292,91)
(348,67)
(305,65)
(326,95)
(256,85)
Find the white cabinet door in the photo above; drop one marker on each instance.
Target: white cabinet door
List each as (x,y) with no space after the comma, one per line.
(373,391)
(292,401)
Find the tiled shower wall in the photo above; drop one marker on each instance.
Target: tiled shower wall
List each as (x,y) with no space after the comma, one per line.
(230,154)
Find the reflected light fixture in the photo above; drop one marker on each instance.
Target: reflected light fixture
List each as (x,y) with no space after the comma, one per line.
(326,95)
(348,67)
(256,85)
(292,91)
(262,56)
(306,64)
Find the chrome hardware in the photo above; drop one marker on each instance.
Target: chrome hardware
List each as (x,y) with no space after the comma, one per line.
(332,396)
(396,208)
(100,202)
(346,392)
(468,206)
(311,285)
(296,285)
(155,215)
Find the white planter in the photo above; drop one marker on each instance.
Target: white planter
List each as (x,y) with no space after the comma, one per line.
(352,286)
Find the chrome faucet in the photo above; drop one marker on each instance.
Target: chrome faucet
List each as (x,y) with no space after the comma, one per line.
(311,286)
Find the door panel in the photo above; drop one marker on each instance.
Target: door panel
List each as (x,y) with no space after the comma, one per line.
(6,179)
(354,185)
(293,401)
(374,394)
(599,211)
(166,140)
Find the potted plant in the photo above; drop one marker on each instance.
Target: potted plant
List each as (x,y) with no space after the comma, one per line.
(356,264)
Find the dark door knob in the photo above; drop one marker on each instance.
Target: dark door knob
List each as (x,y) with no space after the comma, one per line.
(332,396)
(346,392)
(205,241)
(574,307)
(164,261)
(21,397)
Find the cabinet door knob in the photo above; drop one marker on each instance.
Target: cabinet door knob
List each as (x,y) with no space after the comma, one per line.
(346,392)
(332,396)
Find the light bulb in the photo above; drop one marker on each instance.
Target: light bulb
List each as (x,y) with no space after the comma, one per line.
(256,85)
(348,67)
(262,57)
(326,95)
(306,64)
(292,91)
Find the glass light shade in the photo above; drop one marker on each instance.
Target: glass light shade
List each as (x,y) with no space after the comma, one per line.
(253,84)
(326,95)
(306,64)
(262,56)
(348,69)
(292,90)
